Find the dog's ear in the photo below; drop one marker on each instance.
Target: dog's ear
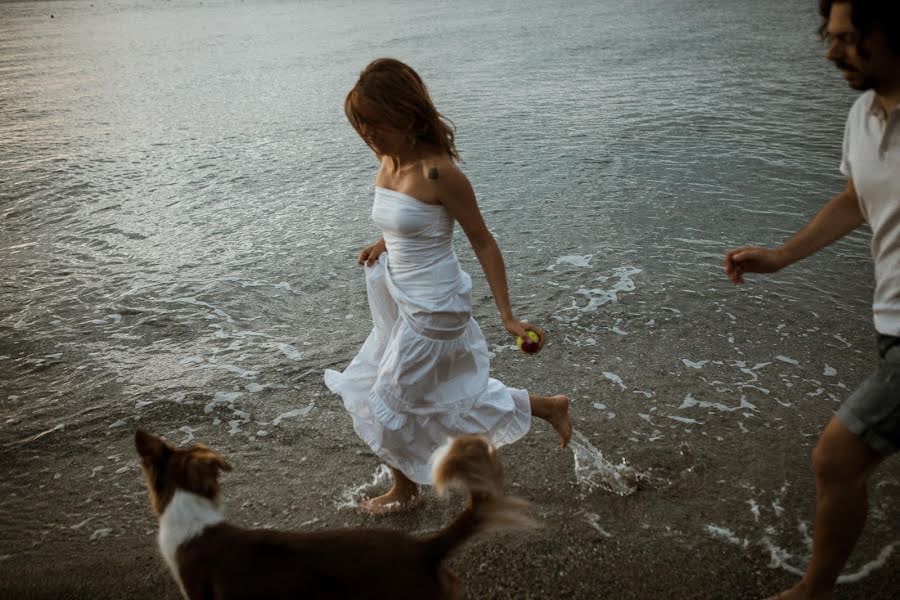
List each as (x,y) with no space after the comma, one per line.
(150,448)
(219,462)
(202,472)
(207,456)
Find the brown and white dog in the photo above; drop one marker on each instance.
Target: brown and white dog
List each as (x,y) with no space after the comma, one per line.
(212,559)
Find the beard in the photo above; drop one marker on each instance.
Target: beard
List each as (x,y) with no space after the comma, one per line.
(863,84)
(856,79)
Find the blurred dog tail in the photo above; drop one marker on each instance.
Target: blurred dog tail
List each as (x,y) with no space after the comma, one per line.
(472,464)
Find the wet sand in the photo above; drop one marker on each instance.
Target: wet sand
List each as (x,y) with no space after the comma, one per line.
(713,511)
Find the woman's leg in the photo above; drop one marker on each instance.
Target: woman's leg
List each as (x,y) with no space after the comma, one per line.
(400,497)
(554,410)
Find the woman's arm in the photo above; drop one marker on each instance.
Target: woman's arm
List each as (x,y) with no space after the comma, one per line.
(457,196)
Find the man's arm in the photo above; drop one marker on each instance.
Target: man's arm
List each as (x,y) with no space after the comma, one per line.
(836,219)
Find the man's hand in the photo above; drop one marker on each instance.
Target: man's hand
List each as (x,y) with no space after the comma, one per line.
(840,216)
(752,259)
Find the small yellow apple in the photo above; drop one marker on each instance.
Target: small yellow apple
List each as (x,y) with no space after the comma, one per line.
(531,345)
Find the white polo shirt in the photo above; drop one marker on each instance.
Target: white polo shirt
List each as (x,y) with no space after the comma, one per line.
(872,159)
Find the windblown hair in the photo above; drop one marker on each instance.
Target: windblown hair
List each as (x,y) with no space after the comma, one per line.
(390,95)
(868,15)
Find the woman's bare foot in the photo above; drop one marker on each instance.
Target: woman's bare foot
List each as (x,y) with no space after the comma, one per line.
(401,497)
(554,410)
(559,418)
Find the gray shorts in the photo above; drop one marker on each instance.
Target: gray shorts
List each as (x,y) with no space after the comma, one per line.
(873,411)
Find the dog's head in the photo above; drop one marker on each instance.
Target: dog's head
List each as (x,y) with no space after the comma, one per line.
(167,469)
(468,462)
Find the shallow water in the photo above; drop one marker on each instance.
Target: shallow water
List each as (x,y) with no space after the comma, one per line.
(182,199)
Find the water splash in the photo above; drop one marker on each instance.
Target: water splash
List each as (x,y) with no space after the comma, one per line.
(780,557)
(352,496)
(593,471)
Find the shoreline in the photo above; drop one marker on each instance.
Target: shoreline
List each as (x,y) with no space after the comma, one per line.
(685,533)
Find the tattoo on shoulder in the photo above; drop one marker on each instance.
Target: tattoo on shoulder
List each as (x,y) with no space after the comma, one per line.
(433,173)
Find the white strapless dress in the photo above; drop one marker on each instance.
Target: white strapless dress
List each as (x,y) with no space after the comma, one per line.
(422,375)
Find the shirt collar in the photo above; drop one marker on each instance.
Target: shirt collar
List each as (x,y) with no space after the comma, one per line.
(875,109)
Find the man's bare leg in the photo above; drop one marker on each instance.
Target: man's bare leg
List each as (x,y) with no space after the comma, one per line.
(842,463)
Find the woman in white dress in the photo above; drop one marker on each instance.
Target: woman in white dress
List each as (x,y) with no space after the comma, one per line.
(422,375)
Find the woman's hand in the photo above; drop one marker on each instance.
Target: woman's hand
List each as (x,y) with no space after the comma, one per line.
(521,329)
(370,254)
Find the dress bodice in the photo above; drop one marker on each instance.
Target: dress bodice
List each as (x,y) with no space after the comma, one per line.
(424,274)
(418,236)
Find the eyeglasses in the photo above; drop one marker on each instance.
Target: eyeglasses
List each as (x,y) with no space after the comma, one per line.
(847,39)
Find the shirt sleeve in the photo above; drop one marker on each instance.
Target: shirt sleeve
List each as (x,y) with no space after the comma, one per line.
(845,150)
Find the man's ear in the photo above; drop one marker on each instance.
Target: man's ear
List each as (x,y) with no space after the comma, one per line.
(150,448)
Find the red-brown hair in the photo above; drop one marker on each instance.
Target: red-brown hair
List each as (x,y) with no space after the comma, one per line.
(390,95)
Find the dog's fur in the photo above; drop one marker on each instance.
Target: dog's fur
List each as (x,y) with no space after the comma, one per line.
(212,559)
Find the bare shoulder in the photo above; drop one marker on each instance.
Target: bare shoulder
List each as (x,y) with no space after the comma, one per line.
(446,179)
(454,191)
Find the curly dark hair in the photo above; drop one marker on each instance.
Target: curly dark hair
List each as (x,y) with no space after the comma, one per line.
(868,15)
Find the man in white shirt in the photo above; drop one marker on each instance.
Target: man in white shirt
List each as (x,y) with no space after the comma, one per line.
(864,43)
